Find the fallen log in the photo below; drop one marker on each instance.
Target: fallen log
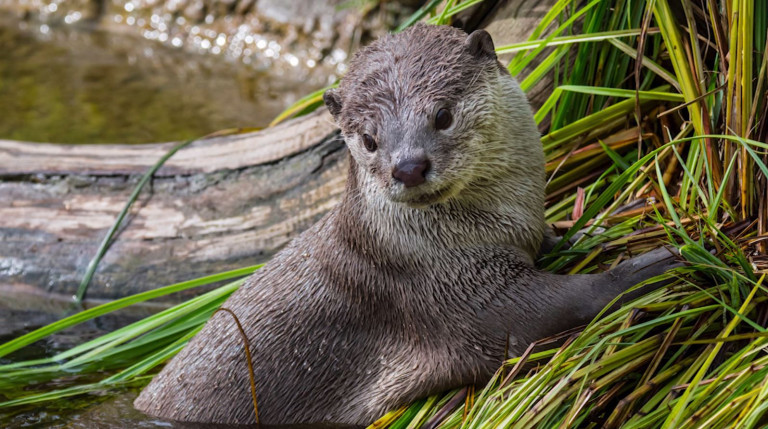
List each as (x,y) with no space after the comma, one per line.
(218,204)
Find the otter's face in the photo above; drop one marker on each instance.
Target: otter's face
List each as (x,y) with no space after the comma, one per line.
(411,161)
(412,114)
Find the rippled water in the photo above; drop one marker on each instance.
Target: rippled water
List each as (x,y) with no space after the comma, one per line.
(73,85)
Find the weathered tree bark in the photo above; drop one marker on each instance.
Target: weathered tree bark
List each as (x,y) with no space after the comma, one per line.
(218,204)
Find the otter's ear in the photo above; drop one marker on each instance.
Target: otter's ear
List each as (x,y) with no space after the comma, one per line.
(333,101)
(479,44)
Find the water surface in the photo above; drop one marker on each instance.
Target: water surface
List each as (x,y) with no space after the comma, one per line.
(24,311)
(65,84)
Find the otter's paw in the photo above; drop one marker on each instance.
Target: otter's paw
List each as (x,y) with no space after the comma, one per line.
(648,265)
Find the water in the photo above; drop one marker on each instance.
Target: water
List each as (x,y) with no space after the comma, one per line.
(22,312)
(70,84)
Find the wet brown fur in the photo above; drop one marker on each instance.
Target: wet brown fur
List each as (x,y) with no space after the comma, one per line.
(390,298)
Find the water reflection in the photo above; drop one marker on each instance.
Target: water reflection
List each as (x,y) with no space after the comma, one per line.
(116,411)
(75,85)
(22,311)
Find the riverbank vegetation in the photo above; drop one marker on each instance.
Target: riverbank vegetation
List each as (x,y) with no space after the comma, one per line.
(656,133)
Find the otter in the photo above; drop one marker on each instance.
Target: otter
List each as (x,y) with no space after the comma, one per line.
(422,276)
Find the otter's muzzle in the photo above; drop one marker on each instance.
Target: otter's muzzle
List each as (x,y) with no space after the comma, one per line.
(411,172)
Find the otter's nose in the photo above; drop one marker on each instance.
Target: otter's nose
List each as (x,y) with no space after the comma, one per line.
(411,172)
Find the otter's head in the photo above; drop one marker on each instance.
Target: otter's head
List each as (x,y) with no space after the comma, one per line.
(429,112)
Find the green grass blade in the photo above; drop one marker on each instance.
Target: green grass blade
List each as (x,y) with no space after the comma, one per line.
(83,287)
(109,307)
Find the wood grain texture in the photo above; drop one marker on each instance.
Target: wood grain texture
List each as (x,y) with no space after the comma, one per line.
(233,152)
(232,202)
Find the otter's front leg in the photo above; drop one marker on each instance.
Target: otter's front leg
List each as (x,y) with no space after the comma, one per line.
(574,300)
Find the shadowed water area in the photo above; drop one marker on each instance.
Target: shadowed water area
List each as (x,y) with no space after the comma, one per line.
(63,84)
(21,313)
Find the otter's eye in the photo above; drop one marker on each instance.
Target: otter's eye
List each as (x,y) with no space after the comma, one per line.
(443,119)
(369,143)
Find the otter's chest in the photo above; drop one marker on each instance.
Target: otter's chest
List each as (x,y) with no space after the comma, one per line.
(461,293)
